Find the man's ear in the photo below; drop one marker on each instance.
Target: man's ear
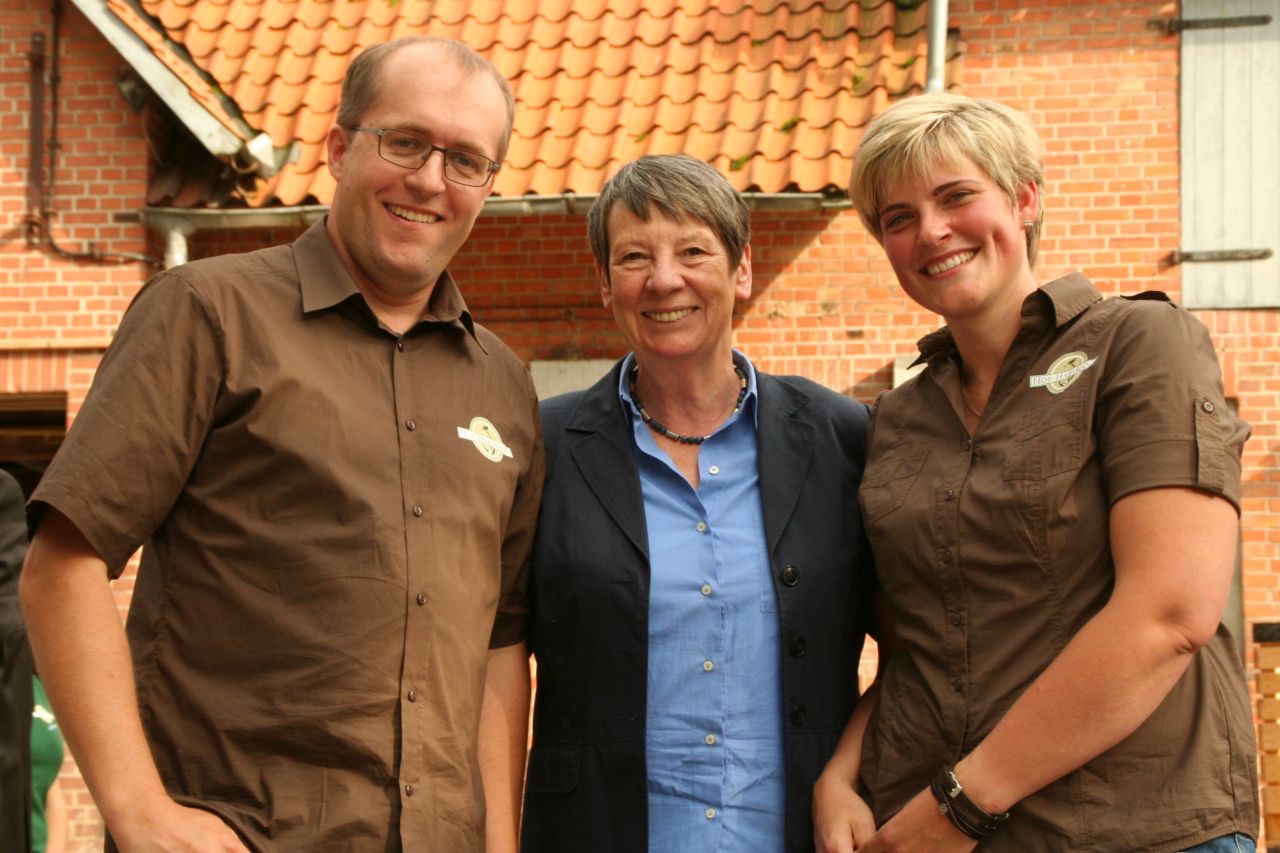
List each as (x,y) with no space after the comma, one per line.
(336,144)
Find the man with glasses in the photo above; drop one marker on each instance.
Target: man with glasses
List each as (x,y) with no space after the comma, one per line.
(337,474)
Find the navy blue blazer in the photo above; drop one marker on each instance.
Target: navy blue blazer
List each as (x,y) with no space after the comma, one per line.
(586,787)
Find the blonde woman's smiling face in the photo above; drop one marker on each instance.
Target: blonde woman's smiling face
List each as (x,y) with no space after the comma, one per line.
(955,241)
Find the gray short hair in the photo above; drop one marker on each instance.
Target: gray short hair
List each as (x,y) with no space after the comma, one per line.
(917,134)
(360,84)
(679,187)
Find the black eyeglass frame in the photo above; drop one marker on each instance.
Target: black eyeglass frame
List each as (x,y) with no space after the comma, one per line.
(431,149)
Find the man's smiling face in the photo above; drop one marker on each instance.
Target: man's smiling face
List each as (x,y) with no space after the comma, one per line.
(396,229)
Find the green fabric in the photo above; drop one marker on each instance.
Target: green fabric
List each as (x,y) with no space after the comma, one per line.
(46,761)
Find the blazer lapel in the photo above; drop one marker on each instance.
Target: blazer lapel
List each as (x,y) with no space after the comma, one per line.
(785,442)
(599,439)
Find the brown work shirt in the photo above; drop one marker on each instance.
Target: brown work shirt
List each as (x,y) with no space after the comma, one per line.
(337,522)
(993,550)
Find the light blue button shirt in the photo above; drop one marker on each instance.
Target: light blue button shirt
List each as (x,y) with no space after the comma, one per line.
(714,737)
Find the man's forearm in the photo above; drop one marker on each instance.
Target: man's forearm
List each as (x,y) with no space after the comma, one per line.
(82,657)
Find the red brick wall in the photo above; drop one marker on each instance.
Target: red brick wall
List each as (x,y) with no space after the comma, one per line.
(1099,84)
(56,313)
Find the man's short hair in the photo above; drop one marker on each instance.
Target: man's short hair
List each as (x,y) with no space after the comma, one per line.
(679,187)
(916,135)
(361,82)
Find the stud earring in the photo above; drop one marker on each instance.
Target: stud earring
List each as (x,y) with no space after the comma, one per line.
(1028,224)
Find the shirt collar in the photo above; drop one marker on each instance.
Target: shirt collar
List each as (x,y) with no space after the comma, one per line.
(749,403)
(1060,301)
(325,283)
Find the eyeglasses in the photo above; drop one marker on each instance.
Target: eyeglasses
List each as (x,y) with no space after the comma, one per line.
(411,152)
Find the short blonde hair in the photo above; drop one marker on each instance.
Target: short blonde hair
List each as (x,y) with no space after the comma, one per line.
(917,134)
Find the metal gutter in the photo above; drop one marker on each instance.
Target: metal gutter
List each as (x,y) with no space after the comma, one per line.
(573,203)
(176,224)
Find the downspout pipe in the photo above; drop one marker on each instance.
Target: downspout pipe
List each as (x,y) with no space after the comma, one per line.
(44,214)
(935,81)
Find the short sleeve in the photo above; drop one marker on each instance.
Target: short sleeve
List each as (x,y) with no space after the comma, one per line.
(511,623)
(136,438)
(1162,419)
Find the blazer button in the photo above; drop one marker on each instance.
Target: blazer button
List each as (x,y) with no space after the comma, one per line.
(798,647)
(790,575)
(797,715)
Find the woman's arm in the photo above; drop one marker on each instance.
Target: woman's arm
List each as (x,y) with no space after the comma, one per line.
(1174,553)
(841,819)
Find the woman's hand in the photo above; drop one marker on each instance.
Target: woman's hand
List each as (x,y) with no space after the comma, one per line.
(919,828)
(842,821)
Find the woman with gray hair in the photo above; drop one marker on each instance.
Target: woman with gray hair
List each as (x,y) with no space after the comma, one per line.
(699,572)
(1052,504)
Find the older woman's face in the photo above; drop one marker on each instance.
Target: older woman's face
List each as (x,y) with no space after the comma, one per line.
(670,286)
(956,243)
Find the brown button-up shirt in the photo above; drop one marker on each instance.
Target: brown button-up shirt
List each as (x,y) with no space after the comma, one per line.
(993,550)
(337,522)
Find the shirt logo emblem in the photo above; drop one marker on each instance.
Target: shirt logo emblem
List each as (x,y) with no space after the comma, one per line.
(1063,372)
(44,715)
(484,435)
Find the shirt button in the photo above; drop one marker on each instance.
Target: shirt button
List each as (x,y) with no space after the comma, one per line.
(710,739)
(410,426)
(706,589)
(711,814)
(707,665)
(400,345)
(714,469)
(790,575)
(797,715)
(1207,406)
(948,494)
(408,789)
(417,510)
(702,527)
(413,695)
(967,446)
(946,555)
(798,647)
(956,618)
(957,685)
(422,598)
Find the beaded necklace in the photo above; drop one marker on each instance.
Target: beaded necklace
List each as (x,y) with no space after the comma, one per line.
(671,434)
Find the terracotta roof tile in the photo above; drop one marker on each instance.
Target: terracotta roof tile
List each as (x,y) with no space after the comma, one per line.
(772,92)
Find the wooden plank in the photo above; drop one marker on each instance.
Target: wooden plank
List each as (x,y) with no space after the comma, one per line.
(1270,737)
(1271,769)
(1230,124)
(1268,657)
(1269,709)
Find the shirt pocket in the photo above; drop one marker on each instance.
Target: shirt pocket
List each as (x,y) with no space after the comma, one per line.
(889,477)
(1049,440)
(1046,453)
